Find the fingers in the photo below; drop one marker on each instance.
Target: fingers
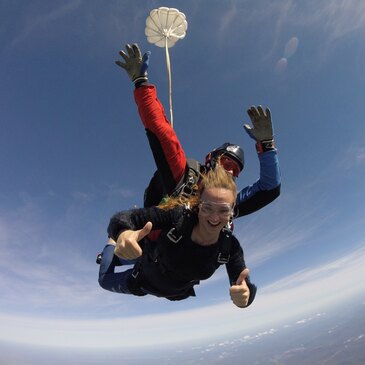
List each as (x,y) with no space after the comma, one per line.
(128,252)
(247,127)
(133,51)
(127,246)
(253,113)
(256,113)
(242,276)
(121,64)
(128,249)
(136,51)
(130,50)
(240,294)
(261,111)
(146,57)
(145,62)
(124,56)
(249,131)
(268,113)
(142,233)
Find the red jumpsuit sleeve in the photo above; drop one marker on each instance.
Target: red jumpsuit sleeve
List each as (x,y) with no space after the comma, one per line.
(154,119)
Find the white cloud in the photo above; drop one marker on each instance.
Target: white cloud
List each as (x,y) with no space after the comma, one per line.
(301,293)
(117,192)
(321,23)
(343,17)
(326,271)
(226,18)
(353,157)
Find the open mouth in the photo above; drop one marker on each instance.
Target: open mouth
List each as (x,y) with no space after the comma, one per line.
(212,224)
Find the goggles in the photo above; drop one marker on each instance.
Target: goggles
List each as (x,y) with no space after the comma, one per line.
(230,165)
(224,210)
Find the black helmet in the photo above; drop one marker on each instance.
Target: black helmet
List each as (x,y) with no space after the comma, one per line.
(228,149)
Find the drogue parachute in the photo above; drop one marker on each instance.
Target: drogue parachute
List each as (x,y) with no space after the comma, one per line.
(164,27)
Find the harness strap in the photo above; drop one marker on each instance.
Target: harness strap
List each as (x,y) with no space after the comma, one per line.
(225,246)
(135,279)
(185,187)
(176,233)
(182,226)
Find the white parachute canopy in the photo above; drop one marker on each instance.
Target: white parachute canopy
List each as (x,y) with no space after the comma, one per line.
(164,27)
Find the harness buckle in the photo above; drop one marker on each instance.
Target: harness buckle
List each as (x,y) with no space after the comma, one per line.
(187,190)
(172,237)
(222,258)
(135,273)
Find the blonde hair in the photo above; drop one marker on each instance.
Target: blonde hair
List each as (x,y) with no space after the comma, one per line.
(214,178)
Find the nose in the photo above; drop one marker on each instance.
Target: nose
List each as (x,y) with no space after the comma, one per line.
(214,216)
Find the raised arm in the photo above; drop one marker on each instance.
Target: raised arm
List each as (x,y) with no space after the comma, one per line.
(167,151)
(267,188)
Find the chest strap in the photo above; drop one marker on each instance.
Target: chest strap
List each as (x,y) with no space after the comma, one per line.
(176,233)
(225,239)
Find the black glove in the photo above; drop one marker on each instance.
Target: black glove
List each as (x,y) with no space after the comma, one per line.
(262,131)
(135,65)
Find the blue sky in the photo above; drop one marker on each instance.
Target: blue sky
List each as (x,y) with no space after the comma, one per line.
(73,152)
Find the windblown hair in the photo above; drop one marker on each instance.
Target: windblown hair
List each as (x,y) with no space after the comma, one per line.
(214,178)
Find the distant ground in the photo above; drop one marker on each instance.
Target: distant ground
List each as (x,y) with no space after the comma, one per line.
(333,338)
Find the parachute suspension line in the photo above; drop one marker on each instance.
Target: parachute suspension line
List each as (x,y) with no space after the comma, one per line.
(164,27)
(168,64)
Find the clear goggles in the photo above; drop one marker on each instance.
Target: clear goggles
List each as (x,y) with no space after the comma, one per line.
(224,210)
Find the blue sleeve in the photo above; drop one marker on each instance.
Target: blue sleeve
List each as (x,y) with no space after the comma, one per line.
(263,191)
(108,279)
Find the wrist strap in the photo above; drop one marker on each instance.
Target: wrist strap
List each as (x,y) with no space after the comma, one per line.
(264,146)
(140,80)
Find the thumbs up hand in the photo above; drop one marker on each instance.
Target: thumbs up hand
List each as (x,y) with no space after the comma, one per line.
(127,246)
(240,293)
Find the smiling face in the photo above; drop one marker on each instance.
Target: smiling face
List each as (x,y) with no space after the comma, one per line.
(215,209)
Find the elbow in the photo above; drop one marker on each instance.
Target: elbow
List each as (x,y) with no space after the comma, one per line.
(113,229)
(276,192)
(271,193)
(102,281)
